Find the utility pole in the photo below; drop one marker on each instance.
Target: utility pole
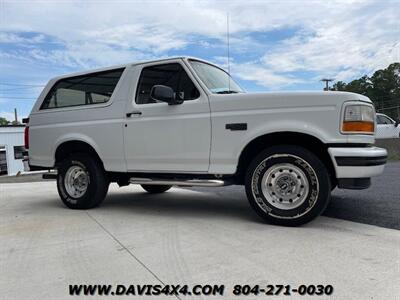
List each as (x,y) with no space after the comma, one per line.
(15,116)
(229,58)
(326,80)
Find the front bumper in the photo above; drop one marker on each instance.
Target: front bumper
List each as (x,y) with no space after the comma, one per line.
(357,163)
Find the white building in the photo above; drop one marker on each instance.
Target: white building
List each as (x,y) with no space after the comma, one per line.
(11,149)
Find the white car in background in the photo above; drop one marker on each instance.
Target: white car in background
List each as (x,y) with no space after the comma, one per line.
(386,127)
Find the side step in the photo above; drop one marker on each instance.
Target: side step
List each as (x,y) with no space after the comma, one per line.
(49,175)
(178,182)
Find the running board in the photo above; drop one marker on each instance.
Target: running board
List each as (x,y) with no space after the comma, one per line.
(49,175)
(178,182)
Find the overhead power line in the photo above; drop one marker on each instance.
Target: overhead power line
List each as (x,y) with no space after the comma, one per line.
(26,88)
(22,98)
(16,84)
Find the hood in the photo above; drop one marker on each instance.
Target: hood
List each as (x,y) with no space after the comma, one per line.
(284,99)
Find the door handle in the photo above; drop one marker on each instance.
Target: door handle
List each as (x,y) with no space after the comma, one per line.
(136,113)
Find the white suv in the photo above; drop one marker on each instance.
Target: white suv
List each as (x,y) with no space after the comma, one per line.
(185,122)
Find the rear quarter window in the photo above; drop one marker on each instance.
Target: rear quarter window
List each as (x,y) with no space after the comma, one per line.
(87,89)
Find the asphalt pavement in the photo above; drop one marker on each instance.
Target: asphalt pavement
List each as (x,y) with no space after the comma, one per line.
(378,205)
(182,237)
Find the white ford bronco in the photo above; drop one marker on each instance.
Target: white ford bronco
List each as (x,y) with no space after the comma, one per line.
(185,122)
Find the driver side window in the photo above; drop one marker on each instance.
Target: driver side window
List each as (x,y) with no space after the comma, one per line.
(172,75)
(383,120)
(386,120)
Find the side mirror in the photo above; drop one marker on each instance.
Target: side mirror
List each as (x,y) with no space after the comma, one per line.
(165,94)
(396,123)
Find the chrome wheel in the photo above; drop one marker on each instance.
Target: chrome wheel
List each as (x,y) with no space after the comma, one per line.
(285,186)
(76,181)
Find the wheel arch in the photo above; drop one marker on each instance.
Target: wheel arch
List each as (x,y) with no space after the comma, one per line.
(262,142)
(64,149)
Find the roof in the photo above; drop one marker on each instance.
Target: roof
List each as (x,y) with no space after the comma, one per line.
(7,126)
(130,64)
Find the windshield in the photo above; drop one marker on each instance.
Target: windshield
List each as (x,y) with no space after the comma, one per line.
(216,80)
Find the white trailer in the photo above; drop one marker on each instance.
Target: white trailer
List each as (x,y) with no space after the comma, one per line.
(11,149)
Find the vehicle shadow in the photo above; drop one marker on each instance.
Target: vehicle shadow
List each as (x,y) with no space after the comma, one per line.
(230,203)
(180,203)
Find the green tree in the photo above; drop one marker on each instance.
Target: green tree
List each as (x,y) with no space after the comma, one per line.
(386,83)
(339,86)
(3,121)
(383,88)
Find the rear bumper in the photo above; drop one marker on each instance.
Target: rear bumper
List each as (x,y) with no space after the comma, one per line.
(357,163)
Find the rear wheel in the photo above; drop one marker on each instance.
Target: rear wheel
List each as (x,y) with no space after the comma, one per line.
(81,181)
(155,189)
(288,185)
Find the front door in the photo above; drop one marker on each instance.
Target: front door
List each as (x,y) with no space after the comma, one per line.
(385,127)
(167,138)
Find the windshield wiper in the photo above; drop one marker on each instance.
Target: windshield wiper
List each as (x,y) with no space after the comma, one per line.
(227,92)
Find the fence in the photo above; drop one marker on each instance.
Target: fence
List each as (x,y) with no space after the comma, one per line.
(389,107)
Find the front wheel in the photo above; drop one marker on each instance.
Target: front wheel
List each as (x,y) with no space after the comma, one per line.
(287,185)
(81,181)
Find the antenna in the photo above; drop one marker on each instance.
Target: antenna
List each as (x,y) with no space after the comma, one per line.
(229,60)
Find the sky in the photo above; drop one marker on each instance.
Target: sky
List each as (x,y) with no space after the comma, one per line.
(274,45)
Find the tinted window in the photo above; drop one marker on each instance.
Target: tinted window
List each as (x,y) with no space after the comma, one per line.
(83,90)
(385,120)
(172,75)
(19,152)
(217,80)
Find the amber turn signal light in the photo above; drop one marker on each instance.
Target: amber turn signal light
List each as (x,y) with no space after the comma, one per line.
(358,126)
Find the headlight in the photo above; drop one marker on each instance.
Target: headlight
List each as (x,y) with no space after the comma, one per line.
(359,119)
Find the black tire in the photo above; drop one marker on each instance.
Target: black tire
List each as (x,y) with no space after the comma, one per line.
(155,189)
(97,181)
(291,172)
